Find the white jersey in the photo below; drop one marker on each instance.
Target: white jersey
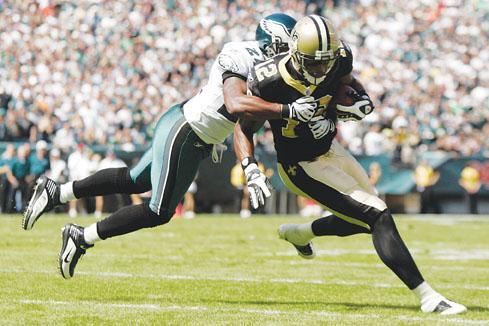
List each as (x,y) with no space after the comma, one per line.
(205,112)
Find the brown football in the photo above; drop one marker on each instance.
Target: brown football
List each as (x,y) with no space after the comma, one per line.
(343,96)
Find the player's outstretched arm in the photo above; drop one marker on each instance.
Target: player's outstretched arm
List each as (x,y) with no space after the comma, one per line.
(250,107)
(257,182)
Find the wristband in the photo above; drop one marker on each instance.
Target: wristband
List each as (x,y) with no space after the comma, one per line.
(247,161)
(285,111)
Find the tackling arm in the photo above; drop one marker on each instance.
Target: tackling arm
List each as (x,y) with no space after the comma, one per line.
(256,181)
(250,107)
(247,106)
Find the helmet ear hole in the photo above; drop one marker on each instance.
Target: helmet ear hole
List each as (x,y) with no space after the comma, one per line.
(273,33)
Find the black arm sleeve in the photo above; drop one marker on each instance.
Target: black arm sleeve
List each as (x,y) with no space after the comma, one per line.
(253,84)
(228,74)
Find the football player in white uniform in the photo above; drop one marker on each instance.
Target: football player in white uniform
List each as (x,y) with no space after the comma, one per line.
(184,136)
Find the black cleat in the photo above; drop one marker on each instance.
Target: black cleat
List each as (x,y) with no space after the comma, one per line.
(44,199)
(73,247)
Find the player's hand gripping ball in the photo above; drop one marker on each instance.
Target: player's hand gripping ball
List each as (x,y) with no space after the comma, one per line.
(351,105)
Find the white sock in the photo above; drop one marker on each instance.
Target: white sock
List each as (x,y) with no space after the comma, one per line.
(305,231)
(423,291)
(90,234)
(66,192)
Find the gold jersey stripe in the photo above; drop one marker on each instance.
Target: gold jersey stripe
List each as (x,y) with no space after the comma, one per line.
(289,80)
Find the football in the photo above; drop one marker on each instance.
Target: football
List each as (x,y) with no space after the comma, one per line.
(343,96)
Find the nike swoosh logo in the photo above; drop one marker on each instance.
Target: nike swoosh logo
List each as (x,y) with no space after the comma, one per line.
(66,258)
(72,246)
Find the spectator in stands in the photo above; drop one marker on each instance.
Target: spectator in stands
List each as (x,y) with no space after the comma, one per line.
(109,161)
(79,167)
(470,181)
(20,169)
(425,178)
(309,208)
(7,180)
(58,168)
(238,180)
(374,141)
(39,161)
(374,173)
(189,201)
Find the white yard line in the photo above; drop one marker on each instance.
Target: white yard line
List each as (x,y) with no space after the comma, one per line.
(265,312)
(449,254)
(443,217)
(247,279)
(312,264)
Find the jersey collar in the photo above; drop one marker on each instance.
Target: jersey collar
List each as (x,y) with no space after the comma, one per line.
(291,81)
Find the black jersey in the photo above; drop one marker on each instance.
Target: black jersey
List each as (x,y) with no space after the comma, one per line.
(272,80)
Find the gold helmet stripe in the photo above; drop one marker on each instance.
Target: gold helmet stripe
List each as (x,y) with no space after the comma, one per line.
(322,30)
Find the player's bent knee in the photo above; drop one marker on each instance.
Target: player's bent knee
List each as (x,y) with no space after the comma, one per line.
(166,216)
(368,199)
(161,217)
(384,220)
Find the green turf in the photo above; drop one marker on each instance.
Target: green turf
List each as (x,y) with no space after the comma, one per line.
(225,270)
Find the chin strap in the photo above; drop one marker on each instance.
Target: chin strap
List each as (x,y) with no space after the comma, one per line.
(313,80)
(217,151)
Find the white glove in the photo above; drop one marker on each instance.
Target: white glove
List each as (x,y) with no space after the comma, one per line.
(320,126)
(357,111)
(258,185)
(302,109)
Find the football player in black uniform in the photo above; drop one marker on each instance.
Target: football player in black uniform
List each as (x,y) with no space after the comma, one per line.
(313,164)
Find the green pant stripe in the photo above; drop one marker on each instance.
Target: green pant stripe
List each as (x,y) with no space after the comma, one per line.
(170,165)
(141,172)
(170,158)
(297,190)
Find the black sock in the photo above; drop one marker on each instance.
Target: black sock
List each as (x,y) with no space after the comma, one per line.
(393,252)
(107,182)
(333,225)
(129,219)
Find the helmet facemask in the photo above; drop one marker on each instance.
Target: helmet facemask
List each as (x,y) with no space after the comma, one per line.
(277,46)
(315,68)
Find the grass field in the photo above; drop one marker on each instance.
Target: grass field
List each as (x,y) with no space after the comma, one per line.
(225,270)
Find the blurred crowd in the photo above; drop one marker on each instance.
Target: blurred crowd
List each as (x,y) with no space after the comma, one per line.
(426,63)
(102,72)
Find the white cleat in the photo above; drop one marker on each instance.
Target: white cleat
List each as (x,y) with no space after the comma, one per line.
(439,304)
(290,233)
